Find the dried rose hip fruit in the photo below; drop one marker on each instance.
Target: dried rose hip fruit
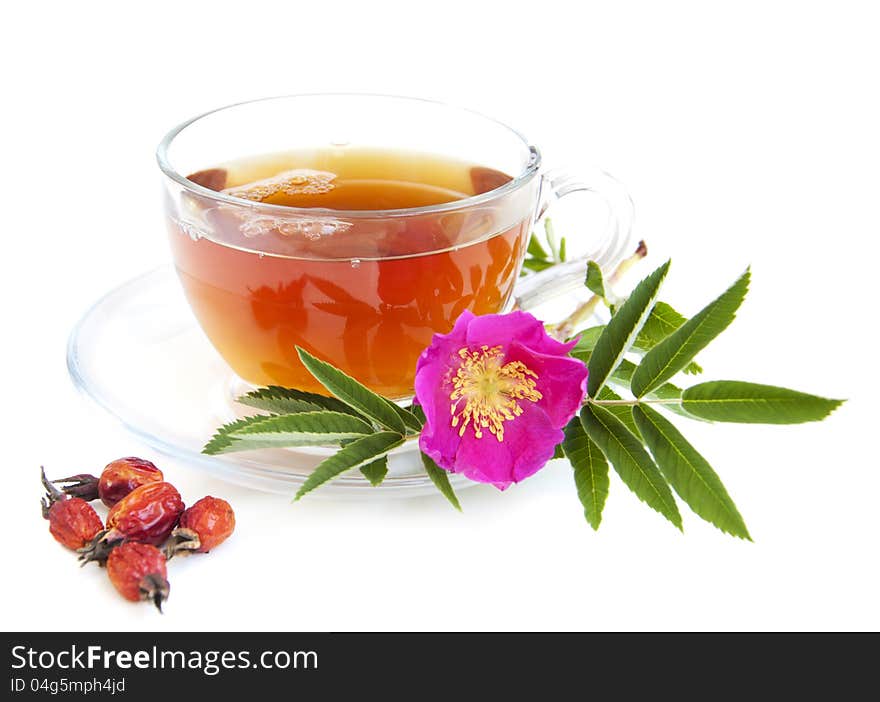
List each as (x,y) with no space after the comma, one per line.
(138,572)
(125,475)
(117,480)
(72,521)
(147,515)
(203,527)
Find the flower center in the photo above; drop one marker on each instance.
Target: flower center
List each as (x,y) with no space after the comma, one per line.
(489,391)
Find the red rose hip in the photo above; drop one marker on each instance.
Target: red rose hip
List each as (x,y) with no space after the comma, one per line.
(138,573)
(147,515)
(72,521)
(123,476)
(117,480)
(203,527)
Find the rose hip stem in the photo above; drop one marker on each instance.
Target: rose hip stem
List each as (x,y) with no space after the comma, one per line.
(138,573)
(564,329)
(73,522)
(53,494)
(147,515)
(82,485)
(202,527)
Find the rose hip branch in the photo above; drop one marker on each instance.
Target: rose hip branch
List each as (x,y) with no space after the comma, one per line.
(499,396)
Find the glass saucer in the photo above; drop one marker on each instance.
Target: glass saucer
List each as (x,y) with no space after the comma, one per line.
(140,354)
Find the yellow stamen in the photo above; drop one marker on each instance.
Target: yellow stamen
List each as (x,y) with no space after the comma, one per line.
(490,391)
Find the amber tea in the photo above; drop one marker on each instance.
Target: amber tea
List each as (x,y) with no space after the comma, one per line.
(365,294)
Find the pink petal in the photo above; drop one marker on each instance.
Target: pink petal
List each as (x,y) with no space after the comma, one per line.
(438,439)
(485,460)
(495,329)
(529,441)
(532,439)
(441,446)
(562,381)
(435,362)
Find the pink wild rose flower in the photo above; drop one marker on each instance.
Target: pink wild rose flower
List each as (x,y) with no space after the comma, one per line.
(496,392)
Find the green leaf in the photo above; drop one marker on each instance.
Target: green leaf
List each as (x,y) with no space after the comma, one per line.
(689,473)
(288,401)
(416,411)
(594,281)
(558,451)
(622,329)
(679,348)
(413,424)
(622,412)
(440,478)
(587,339)
(630,460)
(376,471)
(356,395)
(283,405)
(590,471)
(622,375)
(535,249)
(222,439)
(751,403)
(662,321)
(358,453)
(538,264)
(319,423)
(301,429)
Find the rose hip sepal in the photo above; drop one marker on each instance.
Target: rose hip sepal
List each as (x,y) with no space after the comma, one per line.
(81,485)
(72,521)
(146,515)
(117,480)
(138,573)
(202,527)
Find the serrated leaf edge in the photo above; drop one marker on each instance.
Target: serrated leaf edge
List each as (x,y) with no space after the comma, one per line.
(687,330)
(382,465)
(394,440)
(734,515)
(312,362)
(440,478)
(833,404)
(592,512)
(262,422)
(658,275)
(668,501)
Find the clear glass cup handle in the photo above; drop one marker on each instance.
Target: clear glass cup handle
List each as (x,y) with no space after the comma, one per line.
(607,248)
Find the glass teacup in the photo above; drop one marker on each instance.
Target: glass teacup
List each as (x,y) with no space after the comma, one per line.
(363,288)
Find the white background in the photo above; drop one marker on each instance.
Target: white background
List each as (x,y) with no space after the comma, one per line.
(746,133)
